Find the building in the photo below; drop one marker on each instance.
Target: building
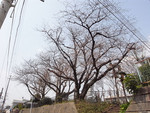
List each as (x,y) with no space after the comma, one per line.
(16,102)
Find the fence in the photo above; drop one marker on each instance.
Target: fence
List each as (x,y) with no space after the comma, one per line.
(108,95)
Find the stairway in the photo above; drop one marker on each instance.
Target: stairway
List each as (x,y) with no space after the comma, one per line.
(140,102)
(113,109)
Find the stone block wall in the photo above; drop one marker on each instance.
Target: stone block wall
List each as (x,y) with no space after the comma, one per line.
(57,108)
(141,102)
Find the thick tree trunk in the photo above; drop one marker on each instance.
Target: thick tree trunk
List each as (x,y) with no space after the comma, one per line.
(58,97)
(76,94)
(81,96)
(83,93)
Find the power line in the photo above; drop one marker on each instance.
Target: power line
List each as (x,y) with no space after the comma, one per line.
(16,35)
(9,59)
(6,57)
(123,20)
(9,41)
(9,44)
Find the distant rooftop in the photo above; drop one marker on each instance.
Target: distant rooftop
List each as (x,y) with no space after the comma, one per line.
(145,60)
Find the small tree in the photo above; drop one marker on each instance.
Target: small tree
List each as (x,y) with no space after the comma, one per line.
(59,71)
(145,72)
(132,83)
(26,75)
(42,74)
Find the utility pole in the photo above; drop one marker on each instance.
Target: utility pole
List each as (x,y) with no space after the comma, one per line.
(1,93)
(5,5)
(6,93)
(4,8)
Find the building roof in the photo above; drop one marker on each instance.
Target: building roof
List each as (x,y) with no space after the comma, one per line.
(142,60)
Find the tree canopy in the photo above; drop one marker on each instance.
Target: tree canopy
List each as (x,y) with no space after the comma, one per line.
(87,46)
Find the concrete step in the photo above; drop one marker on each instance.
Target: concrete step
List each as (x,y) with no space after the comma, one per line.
(113,109)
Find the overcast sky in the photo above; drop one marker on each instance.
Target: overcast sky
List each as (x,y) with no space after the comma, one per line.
(30,42)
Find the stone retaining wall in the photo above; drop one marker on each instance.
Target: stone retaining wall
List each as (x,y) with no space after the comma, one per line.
(141,102)
(57,108)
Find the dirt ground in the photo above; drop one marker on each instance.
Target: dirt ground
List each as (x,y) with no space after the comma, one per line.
(57,108)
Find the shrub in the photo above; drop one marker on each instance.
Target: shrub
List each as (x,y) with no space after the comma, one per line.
(145,72)
(45,101)
(123,107)
(19,106)
(132,83)
(36,98)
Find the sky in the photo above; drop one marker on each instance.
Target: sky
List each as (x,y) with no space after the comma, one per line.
(30,41)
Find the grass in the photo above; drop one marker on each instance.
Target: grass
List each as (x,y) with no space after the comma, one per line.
(86,107)
(123,107)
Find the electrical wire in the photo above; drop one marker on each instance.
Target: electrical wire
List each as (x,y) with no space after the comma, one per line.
(9,44)
(120,17)
(6,57)
(9,59)
(129,26)
(16,35)
(8,48)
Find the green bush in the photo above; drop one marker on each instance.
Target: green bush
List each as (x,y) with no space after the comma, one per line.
(37,97)
(19,106)
(45,101)
(132,83)
(123,107)
(145,72)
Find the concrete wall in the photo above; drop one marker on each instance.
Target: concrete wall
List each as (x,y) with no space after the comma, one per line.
(141,102)
(57,108)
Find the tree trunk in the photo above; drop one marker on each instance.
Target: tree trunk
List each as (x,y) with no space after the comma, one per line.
(124,91)
(117,90)
(58,97)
